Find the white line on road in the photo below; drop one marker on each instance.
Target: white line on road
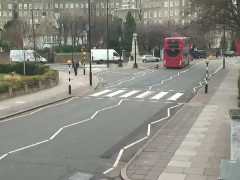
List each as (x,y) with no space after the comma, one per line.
(3,107)
(126,147)
(101,93)
(145,94)
(160,95)
(3,156)
(129,94)
(118,158)
(115,93)
(175,97)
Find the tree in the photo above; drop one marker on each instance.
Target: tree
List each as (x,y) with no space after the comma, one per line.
(129,29)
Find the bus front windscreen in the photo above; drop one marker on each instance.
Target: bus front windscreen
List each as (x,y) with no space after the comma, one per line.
(173,52)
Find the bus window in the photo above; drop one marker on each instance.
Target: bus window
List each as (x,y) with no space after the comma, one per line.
(173,52)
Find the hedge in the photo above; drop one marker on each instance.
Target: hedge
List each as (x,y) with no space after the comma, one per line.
(31,81)
(19,68)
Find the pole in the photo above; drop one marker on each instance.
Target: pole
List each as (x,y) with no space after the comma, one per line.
(107,38)
(34,44)
(224,43)
(72,48)
(24,64)
(89,39)
(206,86)
(135,61)
(84,70)
(69,80)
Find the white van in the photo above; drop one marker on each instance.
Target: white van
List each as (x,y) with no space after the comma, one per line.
(99,56)
(19,56)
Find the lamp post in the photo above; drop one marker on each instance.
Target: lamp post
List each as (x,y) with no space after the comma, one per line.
(107,37)
(89,39)
(224,42)
(135,44)
(34,43)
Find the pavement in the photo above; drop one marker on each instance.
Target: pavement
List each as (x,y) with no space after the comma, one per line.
(193,143)
(94,135)
(79,84)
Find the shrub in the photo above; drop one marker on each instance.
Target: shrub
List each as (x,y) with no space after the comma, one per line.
(12,77)
(19,68)
(31,81)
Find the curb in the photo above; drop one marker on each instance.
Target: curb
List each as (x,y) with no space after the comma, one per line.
(45,104)
(124,169)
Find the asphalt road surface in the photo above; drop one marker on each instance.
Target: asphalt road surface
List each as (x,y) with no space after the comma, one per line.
(82,137)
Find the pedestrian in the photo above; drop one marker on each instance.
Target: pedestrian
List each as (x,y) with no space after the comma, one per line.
(75,66)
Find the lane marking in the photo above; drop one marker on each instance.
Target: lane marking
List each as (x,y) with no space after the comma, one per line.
(129,94)
(160,95)
(145,94)
(101,93)
(115,93)
(175,97)
(136,142)
(21,102)
(3,107)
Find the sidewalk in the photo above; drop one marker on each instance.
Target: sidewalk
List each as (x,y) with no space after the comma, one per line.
(79,84)
(193,142)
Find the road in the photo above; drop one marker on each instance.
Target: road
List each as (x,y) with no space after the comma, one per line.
(85,134)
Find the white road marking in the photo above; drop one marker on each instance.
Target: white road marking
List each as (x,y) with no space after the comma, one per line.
(87,97)
(118,158)
(21,102)
(169,102)
(26,147)
(160,95)
(129,94)
(3,156)
(175,97)
(3,107)
(149,130)
(107,171)
(126,147)
(101,93)
(115,93)
(145,94)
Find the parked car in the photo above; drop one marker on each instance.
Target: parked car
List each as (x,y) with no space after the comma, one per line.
(199,54)
(150,58)
(230,54)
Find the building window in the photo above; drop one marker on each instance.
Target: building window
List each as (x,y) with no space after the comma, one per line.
(145,14)
(35,13)
(10,14)
(51,6)
(20,13)
(161,4)
(97,13)
(20,6)
(112,5)
(165,4)
(155,22)
(146,5)
(66,5)
(171,12)
(9,6)
(61,6)
(160,21)
(82,5)
(165,13)
(133,1)
(150,15)
(97,5)
(25,6)
(30,6)
(176,2)
(176,12)
(76,5)
(160,14)
(102,5)
(4,13)
(86,5)
(46,6)
(117,5)
(152,5)
(36,6)
(56,5)
(71,6)
(155,14)
(0,6)
(183,2)
(25,13)
(171,3)
(157,4)
(133,6)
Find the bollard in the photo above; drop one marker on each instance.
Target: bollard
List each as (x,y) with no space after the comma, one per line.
(69,80)
(156,66)
(206,79)
(84,58)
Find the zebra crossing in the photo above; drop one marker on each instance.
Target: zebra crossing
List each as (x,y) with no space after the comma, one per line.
(137,95)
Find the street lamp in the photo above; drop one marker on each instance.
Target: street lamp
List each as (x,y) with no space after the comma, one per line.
(135,43)
(89,39)
(107,37)
(34,42)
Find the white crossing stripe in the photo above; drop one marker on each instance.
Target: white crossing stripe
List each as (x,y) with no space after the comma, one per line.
(175,97)
(144,94)
(101,93)
(129,94)
(160,95)
(3,107)
(115,93)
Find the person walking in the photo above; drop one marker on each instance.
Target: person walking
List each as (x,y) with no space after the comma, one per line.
(75,66)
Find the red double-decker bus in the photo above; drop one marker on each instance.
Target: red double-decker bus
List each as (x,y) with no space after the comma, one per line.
(238,47)
(177,52)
